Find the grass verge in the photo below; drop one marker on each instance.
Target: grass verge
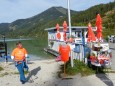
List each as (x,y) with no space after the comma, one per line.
(1,75)
(79,67)
(25,72)
(1,69)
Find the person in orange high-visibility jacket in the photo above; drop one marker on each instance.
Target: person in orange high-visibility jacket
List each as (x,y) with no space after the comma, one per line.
(64,50)
(19,55)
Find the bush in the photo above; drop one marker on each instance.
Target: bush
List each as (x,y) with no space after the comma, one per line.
(79,67)
(1,69)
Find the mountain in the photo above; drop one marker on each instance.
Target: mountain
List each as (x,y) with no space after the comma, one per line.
(107,12)
(3,27)
(34,26)
(30,25)
(90,14)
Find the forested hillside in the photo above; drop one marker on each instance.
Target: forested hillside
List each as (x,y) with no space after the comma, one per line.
(34,26)
(107,12)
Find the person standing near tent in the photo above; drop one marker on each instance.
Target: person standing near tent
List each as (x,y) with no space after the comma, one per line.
(19,55)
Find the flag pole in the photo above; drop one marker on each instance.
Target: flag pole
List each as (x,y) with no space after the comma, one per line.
(69,21)
(69,17)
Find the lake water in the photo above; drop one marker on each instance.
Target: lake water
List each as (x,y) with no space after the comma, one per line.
(35,48)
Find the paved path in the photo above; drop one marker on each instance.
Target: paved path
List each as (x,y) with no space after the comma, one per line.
(92,80)
(112,47)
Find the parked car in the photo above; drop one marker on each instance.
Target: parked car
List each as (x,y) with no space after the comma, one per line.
(111,38)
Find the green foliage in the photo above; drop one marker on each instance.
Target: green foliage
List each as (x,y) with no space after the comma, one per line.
(89,14)
(3,74)
(25,72)
(1,69)
(79,67)
(109,23)
(107,12)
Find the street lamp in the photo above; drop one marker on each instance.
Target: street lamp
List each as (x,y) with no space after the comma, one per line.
(5,45)
(4,39)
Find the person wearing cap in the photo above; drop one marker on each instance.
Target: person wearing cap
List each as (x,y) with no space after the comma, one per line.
(19,55)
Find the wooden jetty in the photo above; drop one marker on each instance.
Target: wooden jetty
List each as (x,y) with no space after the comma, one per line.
(53,52)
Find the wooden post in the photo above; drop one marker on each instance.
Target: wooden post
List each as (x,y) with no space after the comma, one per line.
(71,58)
(64,69)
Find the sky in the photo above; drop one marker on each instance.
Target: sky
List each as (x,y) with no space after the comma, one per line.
(11,10)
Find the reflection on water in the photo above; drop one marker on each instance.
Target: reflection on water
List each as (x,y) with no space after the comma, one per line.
(33,47)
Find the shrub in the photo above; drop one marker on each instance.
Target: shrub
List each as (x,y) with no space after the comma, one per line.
(79,67)
(1,69)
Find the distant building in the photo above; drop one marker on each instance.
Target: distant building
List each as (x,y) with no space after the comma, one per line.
(111,38)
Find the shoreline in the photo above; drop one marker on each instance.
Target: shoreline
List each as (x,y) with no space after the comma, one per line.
(34,58)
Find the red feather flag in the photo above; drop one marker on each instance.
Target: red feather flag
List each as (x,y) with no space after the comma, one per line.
(99,27)
(91,35)
(64,26)
(58,35)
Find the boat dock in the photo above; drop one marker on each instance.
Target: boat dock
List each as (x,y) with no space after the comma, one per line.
(51,51)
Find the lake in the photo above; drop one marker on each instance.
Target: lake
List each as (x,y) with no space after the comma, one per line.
(34,47)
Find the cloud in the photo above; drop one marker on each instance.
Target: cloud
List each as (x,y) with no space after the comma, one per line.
(11,10)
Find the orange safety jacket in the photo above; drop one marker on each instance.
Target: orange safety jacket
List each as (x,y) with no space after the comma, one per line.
(19,54)
(64,51)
